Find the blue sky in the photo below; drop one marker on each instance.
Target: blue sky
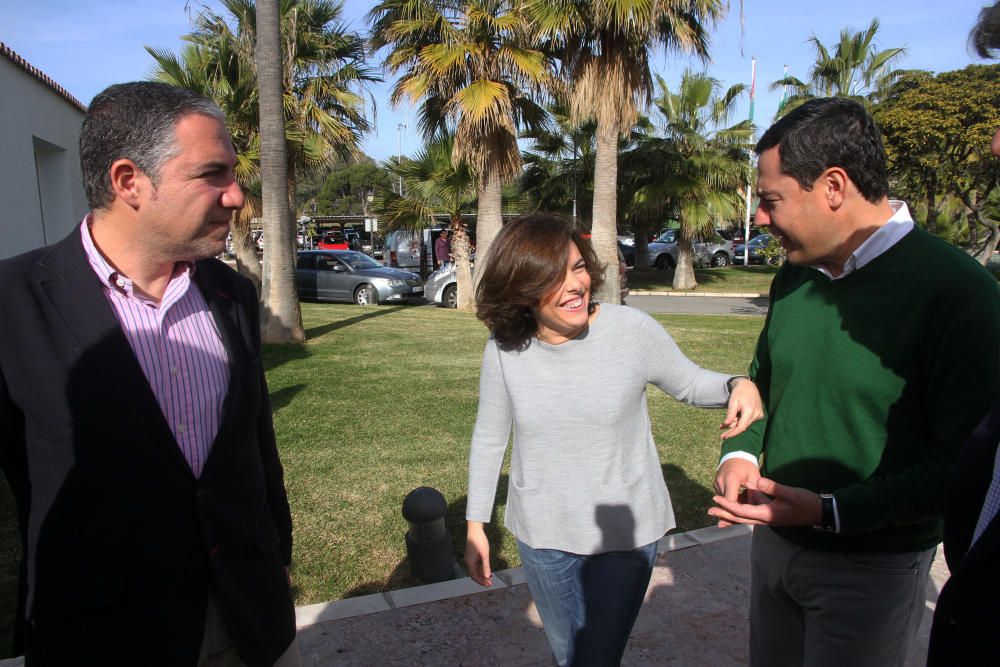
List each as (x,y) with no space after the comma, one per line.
(86,46)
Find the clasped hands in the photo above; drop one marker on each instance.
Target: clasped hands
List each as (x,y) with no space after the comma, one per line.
(746,497)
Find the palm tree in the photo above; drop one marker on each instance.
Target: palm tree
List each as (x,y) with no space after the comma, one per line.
(605,47)
(282,318)
(471,67)
(434,185)
(857,70)
(324,77)
(695,169)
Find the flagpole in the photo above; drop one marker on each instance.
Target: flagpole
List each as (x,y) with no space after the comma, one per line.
(746,213)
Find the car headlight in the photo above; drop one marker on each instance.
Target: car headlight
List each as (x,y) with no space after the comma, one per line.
(395,283)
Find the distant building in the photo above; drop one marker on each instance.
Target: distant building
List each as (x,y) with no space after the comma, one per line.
(41,194)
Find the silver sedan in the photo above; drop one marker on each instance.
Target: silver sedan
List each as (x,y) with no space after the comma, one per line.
(347,275)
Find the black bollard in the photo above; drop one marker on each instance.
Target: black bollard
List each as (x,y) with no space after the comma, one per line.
(428,545)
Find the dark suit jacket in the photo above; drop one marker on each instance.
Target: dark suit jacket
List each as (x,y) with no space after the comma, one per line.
(121,541)
(968,607)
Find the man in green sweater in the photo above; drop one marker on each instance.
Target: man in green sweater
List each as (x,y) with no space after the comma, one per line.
(880,353)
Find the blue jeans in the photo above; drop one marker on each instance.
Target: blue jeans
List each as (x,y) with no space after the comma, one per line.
(588,604)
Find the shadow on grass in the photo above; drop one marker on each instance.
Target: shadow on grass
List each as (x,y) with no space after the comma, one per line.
(324,329)
(454,520)
(283,397)
(10,559)
(690,499)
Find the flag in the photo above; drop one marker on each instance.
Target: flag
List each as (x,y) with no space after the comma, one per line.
(784,92)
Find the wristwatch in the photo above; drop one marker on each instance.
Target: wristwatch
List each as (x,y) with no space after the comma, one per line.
(828,519)
(731,382)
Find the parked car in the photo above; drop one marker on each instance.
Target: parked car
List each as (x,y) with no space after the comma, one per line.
(348,275)
(441,287)
(715,251)
(757,245)
(627,251)
(332,241)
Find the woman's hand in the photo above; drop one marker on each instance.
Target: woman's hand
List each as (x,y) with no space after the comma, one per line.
(745,408)
(477,554)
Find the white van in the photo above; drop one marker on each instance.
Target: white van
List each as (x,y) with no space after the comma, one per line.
(402,249)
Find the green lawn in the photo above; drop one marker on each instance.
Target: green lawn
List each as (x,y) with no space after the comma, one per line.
(382,400)
(731,279)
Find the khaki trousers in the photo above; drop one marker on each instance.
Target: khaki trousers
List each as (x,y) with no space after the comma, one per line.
(217,648)
(812,608)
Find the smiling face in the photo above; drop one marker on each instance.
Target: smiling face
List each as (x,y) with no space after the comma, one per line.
(563,314)
(798,218)
(186,214)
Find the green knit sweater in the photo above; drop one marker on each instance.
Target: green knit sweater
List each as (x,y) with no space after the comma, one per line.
(871,383)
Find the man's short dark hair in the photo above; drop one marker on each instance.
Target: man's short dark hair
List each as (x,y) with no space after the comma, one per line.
(830,132)
(133,121)
(985,36)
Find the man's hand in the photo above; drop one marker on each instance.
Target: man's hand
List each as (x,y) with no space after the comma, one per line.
(744,408)
(733,477)
(477,554)
(770,504)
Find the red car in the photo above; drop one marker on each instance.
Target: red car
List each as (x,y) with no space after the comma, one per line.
(332,241)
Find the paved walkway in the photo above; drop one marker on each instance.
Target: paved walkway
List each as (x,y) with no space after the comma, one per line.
(695,615)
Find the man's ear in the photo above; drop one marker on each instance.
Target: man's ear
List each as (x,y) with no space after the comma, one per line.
(835,182)
(128,181)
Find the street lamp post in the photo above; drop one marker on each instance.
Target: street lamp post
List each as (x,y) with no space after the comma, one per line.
(400,127)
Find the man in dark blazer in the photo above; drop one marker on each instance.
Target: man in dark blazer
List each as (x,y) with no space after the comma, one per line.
(968,607)
(148,538)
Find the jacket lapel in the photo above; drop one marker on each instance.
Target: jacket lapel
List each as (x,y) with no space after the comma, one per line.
(68,281)
(221,300)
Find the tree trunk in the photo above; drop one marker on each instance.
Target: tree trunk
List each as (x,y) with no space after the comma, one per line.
(247,262)
(604,229)
(684,271)
(460,252)
(489,220)
(986,254)
(641,234)
(281,316)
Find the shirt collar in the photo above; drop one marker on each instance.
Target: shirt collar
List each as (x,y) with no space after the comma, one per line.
(896,227)
(107,274)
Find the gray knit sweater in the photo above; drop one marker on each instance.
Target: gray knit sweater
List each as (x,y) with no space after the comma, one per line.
(585,475)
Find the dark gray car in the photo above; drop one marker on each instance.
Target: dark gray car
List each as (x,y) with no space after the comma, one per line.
(348,275)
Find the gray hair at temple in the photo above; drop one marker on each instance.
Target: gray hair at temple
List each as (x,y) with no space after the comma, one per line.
(134,121)
(985,36)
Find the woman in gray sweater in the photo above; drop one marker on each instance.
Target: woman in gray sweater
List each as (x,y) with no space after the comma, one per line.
(586,498)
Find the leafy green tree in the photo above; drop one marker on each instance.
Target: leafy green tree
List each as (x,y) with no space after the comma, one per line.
(855,69)
(605,47)
(470,66)
(937,131)
(434,185)
(347,191)
(696,168)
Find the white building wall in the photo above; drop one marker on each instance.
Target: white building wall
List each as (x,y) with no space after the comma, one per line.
(41,194)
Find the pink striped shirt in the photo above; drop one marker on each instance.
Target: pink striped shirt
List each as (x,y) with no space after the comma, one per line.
(178,347)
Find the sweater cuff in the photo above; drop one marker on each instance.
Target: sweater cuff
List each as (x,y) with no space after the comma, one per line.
(746,456)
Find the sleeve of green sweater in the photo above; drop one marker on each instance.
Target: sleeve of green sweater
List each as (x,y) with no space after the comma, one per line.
(962,381)
(752,440)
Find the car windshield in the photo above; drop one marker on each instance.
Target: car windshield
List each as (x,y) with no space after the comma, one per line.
(668,236)
(763,239)
(358,260)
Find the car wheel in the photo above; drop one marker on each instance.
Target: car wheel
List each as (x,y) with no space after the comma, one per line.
(366,295)
(664,261)
(450,297)
(720,259)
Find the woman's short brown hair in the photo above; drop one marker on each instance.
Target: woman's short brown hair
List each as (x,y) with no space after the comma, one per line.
(526,262)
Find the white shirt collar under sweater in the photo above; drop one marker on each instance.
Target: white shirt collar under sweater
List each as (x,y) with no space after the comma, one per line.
(886,236)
